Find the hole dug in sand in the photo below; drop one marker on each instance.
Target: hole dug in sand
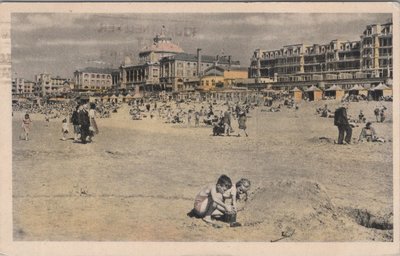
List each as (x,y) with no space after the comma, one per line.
(305,207)
(366,219)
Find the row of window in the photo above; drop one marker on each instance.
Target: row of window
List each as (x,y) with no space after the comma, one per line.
(96,82)
(97,76)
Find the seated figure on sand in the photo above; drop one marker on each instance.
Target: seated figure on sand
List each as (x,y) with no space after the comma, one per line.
(236,195)
(209,202)
(368,134)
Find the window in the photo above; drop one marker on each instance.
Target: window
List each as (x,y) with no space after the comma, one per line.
(92,76)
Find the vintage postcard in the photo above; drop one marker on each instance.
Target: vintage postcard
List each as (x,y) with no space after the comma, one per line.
(199,129)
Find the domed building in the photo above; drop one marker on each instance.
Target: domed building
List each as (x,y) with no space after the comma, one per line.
(164,66)
(161,47)
(145,76)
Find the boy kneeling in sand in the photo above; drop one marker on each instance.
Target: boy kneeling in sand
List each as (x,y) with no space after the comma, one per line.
(209,202)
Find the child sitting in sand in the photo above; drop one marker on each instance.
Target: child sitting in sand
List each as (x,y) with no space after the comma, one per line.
(209,201)
(233,195)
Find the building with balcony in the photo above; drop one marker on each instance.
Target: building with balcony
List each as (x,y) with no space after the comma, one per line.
(22,87)
(377,50)
(51,85)
(369,57)
(93,79)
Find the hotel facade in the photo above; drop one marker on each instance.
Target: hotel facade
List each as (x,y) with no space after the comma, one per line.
(367,58)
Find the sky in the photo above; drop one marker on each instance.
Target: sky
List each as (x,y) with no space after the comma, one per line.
(60,43)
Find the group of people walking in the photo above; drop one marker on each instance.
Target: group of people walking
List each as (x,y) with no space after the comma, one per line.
(84,122)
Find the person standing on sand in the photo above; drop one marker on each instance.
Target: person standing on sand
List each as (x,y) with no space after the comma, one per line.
(242,123)
(75,123)
(84,123)
(341,121)
(376,112)
(92,116)
(227,122)
(196,119)
(26,125)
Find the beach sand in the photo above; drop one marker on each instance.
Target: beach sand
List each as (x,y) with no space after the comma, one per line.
(138,179)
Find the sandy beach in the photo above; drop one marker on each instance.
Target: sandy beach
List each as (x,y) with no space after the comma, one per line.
(138,179)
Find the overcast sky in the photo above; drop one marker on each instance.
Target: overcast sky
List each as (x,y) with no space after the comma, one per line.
(61,43)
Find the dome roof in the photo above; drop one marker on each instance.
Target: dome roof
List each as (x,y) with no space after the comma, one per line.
(162,44)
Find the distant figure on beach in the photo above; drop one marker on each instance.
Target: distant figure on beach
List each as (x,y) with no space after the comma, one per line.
(92,115)
(209,201)
(242,123)
(189,118)
(84,123)
(341,121)
(26,125)
(196,119)
(382,114)
(361,117)
(227,122)
(64,129)
(75,123)
(376,113)
(324,111)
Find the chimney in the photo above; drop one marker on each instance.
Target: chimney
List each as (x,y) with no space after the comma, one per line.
(230,60)
(198,62)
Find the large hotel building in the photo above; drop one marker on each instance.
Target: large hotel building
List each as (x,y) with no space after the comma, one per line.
(164,65)
(369,58)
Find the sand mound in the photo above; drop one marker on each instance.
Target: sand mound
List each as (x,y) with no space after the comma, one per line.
(299,210)
(289,200)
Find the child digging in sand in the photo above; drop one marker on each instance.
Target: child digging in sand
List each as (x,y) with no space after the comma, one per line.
(209,201)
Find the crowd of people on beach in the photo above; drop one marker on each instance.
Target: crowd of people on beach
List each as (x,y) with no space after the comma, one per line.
(219,117)
(225,118)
